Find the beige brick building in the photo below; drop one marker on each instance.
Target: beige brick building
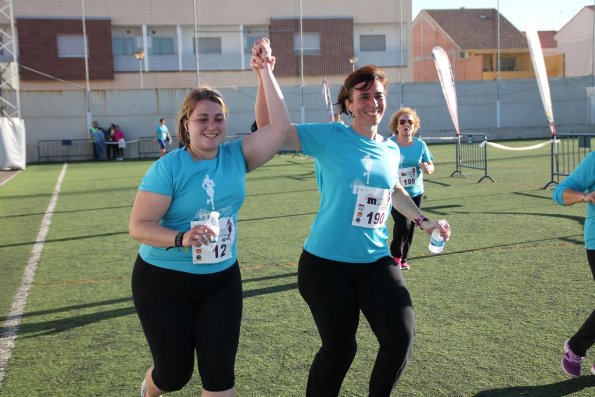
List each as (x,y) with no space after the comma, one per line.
(335,36)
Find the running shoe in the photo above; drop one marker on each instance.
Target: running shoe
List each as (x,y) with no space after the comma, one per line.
(143,388)
(405,265)
(571,363)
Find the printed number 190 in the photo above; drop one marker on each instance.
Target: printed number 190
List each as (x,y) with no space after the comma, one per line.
(375,218)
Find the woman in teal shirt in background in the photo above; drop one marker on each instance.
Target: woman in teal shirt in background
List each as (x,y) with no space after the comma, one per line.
(578,188)
(415,159)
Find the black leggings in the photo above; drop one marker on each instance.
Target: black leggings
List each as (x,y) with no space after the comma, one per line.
(335,293)
(403,231)
(182,313)
(585,336)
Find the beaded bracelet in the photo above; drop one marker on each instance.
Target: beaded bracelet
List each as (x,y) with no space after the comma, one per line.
(419,220)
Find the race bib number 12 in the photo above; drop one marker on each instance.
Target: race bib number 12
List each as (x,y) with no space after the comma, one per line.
(218,251)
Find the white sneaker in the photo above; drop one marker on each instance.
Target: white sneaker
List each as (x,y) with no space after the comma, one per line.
(143,388)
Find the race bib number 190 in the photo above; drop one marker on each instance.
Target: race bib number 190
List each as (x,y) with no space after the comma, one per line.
(372,207)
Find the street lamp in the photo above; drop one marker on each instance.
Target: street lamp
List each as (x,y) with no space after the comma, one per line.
(352,61)
(140,55)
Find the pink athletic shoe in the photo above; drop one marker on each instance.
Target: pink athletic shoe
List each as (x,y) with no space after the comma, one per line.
(571,363)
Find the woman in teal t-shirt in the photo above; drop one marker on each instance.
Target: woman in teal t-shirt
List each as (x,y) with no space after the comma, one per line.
(415,159)
(346,268)
(579,188)
(186,282)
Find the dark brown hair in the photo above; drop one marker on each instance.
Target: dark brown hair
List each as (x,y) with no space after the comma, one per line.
(366,74)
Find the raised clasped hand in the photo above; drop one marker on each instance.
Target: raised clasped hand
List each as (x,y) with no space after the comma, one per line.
(261,54)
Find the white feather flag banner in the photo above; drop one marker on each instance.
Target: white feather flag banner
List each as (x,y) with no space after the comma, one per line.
(540,74)
(326,92)
(447,82)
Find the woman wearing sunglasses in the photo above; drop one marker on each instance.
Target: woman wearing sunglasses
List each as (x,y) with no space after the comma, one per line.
(414,161)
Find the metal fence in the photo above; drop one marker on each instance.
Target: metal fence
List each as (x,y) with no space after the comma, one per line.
(82,149)
(470,152)
(567,151)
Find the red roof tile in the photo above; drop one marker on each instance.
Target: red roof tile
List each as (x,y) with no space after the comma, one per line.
(474,28)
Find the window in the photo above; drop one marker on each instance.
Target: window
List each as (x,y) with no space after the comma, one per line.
(162,46)
(208,45)
(71,46)
(311,43)
(507,64)
(123,45)
(251,35)
(372,42)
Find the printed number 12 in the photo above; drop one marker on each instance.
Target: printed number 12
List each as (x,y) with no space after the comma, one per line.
(223,249)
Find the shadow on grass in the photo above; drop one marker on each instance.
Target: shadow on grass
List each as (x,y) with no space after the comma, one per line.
(268,194)
(249,280)
(33,330)
(283,216)
(269,290)
(572,238)
(73,192)
(57,240)
(558,389)
(85,210)
(51,327)
(69,308)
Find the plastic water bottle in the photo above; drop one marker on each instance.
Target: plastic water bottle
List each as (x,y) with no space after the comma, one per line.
(437,243)
(213,224)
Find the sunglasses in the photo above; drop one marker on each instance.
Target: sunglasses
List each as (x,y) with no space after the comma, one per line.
(403,121)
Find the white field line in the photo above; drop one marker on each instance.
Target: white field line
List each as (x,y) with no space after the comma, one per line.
(8,179)
(8,333)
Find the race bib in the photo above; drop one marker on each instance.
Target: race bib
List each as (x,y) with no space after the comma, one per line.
(372,207)
(217,251)
(407,176)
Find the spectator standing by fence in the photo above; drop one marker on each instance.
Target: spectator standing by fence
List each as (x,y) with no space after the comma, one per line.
(98,136)
(415,159)
(577,189)
(190,301)
(163,137)
(111,143)
(120,142)
(346,267)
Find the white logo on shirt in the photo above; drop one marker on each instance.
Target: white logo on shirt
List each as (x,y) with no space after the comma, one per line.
(208,184)
(368,165)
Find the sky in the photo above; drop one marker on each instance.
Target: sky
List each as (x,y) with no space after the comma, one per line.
(545,14)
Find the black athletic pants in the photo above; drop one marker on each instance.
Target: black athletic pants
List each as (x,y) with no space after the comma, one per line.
(335,293)
(183,313)
(403,231)
(585,336)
